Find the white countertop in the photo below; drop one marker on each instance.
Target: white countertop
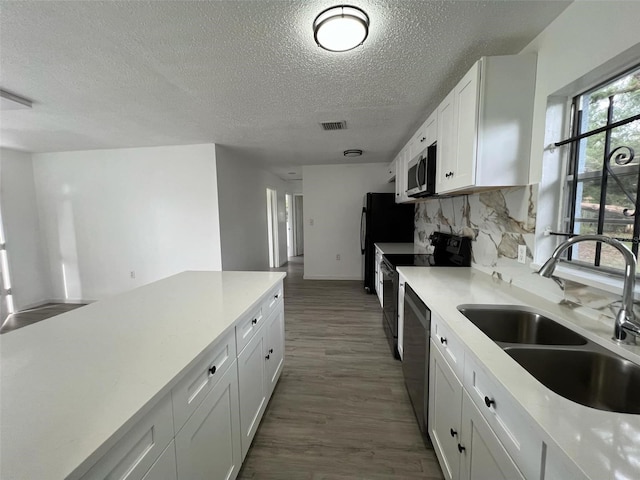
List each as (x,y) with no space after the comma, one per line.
(71,384)
(604,445)
(392,248)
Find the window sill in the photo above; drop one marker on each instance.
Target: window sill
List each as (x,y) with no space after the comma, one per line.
(602,281)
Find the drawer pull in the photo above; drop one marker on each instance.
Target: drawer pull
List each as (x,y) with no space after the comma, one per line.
(489,401)
(461,448)
(271,350)
(276,296)
(268,357)
(254,321)
(212,370)
(443,340)
(453,432)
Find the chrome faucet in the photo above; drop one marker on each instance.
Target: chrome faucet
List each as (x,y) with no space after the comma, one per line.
(626,322)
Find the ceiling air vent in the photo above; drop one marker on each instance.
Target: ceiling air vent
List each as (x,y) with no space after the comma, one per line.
(334,125)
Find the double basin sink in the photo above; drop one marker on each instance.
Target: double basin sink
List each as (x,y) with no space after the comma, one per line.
(559,358)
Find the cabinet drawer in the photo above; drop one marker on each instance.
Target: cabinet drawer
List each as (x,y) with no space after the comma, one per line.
(165,466)
(274,297)
(247,328)
(136,452)
(200,379)
(505,418)
(448,344)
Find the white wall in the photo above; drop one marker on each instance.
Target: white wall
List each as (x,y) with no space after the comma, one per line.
(588,43)
(294,187)
(583,37)
(333,199)
(242,190)
(106,213)
(28,264)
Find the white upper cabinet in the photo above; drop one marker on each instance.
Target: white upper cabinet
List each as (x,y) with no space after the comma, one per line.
(484,126)
(401,176)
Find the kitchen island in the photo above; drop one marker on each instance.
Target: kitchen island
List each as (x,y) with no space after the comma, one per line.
(74,386)
(535,432)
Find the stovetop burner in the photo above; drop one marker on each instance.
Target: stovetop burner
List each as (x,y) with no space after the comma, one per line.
(449,251)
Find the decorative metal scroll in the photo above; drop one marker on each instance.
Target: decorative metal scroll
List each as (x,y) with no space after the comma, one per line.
(622,155)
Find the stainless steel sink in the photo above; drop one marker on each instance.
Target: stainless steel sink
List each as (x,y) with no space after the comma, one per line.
(591,378)
(512,324)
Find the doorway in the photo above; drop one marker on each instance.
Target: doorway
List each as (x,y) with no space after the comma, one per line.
(288,199)
(298,226)
(6,299)
(272,227)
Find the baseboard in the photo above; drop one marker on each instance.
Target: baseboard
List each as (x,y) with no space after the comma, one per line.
(331,277)
(71,301)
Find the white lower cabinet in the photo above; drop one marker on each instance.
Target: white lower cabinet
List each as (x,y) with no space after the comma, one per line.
(203,428)
(165,466)
(208,446)
(466,446)
(483,456)
(252,383)
(445,403)
(135,453)
(259,367)
(275,349)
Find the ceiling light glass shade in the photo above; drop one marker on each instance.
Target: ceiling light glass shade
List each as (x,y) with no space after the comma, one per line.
(342,28)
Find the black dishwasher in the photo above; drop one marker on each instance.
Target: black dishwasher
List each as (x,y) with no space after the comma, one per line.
(415,365)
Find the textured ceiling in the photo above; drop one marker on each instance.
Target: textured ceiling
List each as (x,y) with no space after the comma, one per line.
(242,73)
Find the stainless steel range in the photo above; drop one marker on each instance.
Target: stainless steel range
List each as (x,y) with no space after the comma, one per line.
(449,251)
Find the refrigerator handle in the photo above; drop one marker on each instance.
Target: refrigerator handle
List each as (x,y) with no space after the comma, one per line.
(362,230)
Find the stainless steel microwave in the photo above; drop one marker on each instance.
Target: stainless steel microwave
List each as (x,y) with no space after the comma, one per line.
(421,174)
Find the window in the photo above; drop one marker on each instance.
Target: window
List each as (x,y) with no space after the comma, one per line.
(604,171)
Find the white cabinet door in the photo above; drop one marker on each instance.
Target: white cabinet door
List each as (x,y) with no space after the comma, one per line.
(165,466)
(134,454)
(431,129)
(275,348)
(483,456)
(445,401)
(208,446)
(465,100)
(253,388)
(445,159)
(379,275)
(401,175)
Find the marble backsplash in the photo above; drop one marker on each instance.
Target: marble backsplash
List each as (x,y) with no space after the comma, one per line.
(498,221)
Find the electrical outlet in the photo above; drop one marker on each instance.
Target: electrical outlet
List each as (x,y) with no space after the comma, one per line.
(338,257)
(522,253)
(132,274)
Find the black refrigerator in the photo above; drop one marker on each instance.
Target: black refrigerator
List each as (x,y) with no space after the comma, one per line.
(382,220)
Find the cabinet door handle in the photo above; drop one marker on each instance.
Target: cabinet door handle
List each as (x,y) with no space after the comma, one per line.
(489,401)
(254,321)
(453,432)
(268,357)
(212,370)
(271,350)
(443,340)
(461,448)
(276,296)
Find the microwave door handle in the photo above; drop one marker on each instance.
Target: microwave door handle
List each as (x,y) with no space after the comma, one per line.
(417,176)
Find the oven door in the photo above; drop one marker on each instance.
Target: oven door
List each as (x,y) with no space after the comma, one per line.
(390,306)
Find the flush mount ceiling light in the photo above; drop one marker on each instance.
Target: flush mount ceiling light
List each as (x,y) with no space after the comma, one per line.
(341,28)
(352,153)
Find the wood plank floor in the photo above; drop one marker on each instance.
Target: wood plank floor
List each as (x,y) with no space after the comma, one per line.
(35,315)
(340,410)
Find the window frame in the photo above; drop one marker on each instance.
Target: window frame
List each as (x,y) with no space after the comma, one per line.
(567,219)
